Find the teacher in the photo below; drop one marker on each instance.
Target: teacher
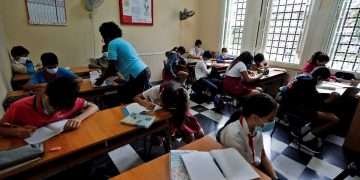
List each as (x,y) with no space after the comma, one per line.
(124,59)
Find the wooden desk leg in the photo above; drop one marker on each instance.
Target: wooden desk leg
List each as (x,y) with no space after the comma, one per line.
(352,140)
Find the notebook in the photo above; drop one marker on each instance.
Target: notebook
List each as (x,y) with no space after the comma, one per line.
(177,167)
(44,133)
(141,120)
(217,164)
(135,115)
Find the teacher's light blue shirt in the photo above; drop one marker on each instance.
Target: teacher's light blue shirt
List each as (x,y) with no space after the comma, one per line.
(128,61)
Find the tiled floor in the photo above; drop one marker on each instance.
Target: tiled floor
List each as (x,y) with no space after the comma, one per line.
(287,160)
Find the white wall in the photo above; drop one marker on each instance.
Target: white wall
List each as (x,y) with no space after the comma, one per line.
(80,39)
(5,71)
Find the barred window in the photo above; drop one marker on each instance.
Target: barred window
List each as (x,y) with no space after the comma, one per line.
(286,25)
(344,48)
(234,26)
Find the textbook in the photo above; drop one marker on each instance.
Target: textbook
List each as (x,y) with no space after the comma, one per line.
(134,108)
(140,120)
(135,115)
(220,164)
(44,133)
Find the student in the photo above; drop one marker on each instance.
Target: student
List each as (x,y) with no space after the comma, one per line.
(317,59)
(21,63)
(49,72)
(202,76)
(243,131)
(59,102)
(174,67)
(304,99)
(172,97)
(224,55)
(197,51)
(259,62)
(237,79)
(124,59)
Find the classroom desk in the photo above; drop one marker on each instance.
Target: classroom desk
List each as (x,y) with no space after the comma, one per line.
(353,135)
(273,81)
(159,168)
(97,135)
(19,80)
(87,91)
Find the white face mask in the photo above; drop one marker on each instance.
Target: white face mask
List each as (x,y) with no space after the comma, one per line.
(52,70)
(106,54)
(23,60)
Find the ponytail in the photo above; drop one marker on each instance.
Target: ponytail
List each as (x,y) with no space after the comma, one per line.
(246,57)
(174,99)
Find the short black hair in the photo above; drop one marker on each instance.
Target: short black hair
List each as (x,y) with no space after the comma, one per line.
(207,55)
(181,50)
(224,49)
(258,58)
(321,73)
(62,93)
(198,42)
(260,104)
(319,56)
(17,51)
(110,31)
(49,59)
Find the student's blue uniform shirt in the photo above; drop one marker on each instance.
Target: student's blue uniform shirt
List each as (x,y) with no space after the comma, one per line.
(39,77)
(128,61)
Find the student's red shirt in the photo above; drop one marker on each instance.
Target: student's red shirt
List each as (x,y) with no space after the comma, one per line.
(308,67)
(26,112)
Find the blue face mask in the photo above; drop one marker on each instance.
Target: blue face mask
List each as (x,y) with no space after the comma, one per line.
(268,126)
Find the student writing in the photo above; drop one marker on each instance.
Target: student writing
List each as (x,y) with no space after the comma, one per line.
(59,102)
(243,131)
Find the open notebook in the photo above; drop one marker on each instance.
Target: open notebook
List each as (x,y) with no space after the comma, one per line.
(44,133)
(135,115)
(214,165)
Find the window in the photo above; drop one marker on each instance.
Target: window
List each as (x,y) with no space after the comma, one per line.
(234,26)
(286,25)
(344,48)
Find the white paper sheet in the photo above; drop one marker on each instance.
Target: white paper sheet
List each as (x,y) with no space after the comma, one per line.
(125,158)
(201,166)
(233,165)
(44,133)
(135,108)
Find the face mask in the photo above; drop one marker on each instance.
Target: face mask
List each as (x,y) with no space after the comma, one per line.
(23,60)
(52,70)
(268,126)
(106,54)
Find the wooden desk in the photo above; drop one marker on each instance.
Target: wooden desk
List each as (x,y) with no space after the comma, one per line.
(97,135)
(86,91)
(273,81)
(19,80)
(159,168)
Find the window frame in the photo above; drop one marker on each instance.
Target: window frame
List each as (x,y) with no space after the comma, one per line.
(334,38)
(227,25)
(303,34)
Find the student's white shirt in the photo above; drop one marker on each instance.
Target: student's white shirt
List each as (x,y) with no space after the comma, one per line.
(153,95)
(196,52)
(238,136)
(201,70)
(236,70)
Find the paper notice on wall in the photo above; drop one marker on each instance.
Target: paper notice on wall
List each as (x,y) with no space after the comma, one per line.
(141,11)
(127,7)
